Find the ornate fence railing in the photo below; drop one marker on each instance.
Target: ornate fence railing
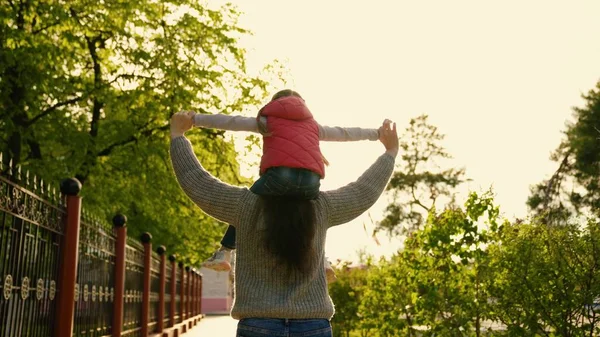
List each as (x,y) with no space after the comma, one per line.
(66,273)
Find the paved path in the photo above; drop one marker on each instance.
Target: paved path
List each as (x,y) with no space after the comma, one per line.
(214,326)
(225,326)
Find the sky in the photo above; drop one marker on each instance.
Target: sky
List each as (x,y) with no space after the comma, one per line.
(498,78)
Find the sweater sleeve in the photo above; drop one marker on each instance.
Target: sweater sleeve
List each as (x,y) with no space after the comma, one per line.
(216,198)
(348,202)
(226,122)
(342,134)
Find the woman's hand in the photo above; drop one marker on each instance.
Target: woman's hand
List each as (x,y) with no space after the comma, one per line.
(388,136)
(181,122)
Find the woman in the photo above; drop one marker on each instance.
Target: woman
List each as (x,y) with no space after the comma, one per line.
(280,285)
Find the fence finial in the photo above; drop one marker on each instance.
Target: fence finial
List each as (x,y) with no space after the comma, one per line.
(161,250)
(146,237)
(119,220)
(69,186)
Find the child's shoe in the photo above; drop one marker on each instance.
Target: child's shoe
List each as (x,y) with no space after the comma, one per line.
(329,272)
(219,261)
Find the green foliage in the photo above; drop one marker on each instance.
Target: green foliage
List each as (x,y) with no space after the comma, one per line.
(87,89)
(346,293)
(436,282)
(466,271)
(545,279)
(574,187)
(419,181)
(388,304)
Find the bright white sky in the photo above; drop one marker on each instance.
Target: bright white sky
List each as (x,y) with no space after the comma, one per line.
(498,78)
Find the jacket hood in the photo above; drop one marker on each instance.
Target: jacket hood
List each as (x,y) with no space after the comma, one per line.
(290,107)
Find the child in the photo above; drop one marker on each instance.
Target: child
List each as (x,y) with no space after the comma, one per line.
(291,164)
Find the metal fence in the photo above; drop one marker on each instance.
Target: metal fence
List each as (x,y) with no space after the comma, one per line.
(94,290)
(64,272)
(31,236)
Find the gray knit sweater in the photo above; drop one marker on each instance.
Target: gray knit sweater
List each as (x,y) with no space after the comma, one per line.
(262,288)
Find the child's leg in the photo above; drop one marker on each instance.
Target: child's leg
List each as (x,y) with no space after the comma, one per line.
(285,181)
(219,261)
(308,184)
(228,240)
(269,184)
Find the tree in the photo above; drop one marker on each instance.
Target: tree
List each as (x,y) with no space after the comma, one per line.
(546,279)
(388,301)
(449,257)
(346,293)
(436,284)
(87,88)
(466,268)
(574,188)
(419,182)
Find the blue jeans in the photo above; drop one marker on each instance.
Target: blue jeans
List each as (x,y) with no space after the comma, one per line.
(281,181)
(271,327)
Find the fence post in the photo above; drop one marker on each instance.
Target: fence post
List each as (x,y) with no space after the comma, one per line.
(188,288)
(172,259)
(192,293)
(146,239)
(68,260)
(200,299)
(195,292)
(199,292)
(119,222)
(182,293)
(161,250)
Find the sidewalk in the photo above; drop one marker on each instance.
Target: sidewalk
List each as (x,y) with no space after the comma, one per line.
(214,326)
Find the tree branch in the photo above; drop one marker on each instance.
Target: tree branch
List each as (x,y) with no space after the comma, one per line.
(416,200)
(52,109)
(97,104)
(36,31)
(20,17)
(108,150)
(36,150)
(130,76)
(548,191)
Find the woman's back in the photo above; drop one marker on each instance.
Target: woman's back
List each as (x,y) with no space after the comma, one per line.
(263,288)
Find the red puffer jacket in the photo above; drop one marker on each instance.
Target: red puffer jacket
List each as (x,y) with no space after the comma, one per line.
(294,137)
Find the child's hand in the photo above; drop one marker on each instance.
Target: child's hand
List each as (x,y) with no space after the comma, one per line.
(181,122)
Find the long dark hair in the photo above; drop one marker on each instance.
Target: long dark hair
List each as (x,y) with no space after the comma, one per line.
(290,227)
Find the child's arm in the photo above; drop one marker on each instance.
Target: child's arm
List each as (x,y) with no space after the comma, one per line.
(341,134)
(226,122)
